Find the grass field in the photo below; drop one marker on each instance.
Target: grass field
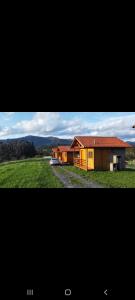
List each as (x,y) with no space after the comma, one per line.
(119,179)
(32,173)
(37,173)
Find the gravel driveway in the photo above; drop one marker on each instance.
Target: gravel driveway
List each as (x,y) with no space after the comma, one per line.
(73,180)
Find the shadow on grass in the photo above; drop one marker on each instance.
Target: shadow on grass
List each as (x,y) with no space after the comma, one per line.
(130,169)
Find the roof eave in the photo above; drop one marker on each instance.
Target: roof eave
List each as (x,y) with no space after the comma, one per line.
(77,139)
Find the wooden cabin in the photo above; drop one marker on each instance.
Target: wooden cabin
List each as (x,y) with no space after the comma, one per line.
(65,154)
(55,152)
(99,153)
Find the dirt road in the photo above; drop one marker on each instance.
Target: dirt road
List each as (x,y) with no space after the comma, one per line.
(73,180)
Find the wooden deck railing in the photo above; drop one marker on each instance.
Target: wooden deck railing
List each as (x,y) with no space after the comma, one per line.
(80,163)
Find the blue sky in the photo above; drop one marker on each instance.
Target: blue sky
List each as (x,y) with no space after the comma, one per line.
(67,124)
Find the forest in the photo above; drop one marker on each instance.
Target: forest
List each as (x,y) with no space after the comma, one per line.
(16,150)
(22,149)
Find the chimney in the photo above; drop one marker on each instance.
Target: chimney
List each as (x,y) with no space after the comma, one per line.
(94,142)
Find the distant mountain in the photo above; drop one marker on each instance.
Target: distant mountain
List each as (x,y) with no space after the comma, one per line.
(41,141)
(131,143)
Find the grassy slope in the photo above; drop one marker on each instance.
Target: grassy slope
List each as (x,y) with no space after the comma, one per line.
(122,179)
(33,173)
(36,173)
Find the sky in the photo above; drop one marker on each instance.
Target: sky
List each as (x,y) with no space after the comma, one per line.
(67,124)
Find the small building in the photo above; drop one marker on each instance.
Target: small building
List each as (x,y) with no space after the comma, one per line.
(99,153)
(65,154)
(55,152)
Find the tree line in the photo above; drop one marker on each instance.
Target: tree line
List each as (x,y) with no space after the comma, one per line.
(16,150)
(130,153)
(44,151)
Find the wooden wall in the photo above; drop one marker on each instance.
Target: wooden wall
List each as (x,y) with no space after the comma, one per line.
(102,159)
(70,157)
(67,157)
(60,156)
(64,157)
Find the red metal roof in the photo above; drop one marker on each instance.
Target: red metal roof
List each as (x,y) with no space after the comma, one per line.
(95,142)
(54,149)
(65,149)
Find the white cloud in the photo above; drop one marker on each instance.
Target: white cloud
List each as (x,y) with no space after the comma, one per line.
(9,113)
(51,123)
(5,132)
(42,123)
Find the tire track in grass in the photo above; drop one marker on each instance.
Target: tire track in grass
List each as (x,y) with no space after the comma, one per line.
(73,180)
(66,180)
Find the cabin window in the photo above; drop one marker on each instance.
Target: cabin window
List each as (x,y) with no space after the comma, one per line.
(90,154)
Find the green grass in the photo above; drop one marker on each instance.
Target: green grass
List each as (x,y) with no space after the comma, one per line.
(131,164)
(31,173)
(119,179)
(37,173)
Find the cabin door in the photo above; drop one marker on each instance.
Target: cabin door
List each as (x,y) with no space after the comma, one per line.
(90,159)
(82,154)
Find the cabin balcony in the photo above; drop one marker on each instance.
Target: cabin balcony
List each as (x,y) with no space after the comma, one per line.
(80,163)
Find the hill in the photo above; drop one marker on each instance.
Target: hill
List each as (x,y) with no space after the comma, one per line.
(41,141)
(131,143)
